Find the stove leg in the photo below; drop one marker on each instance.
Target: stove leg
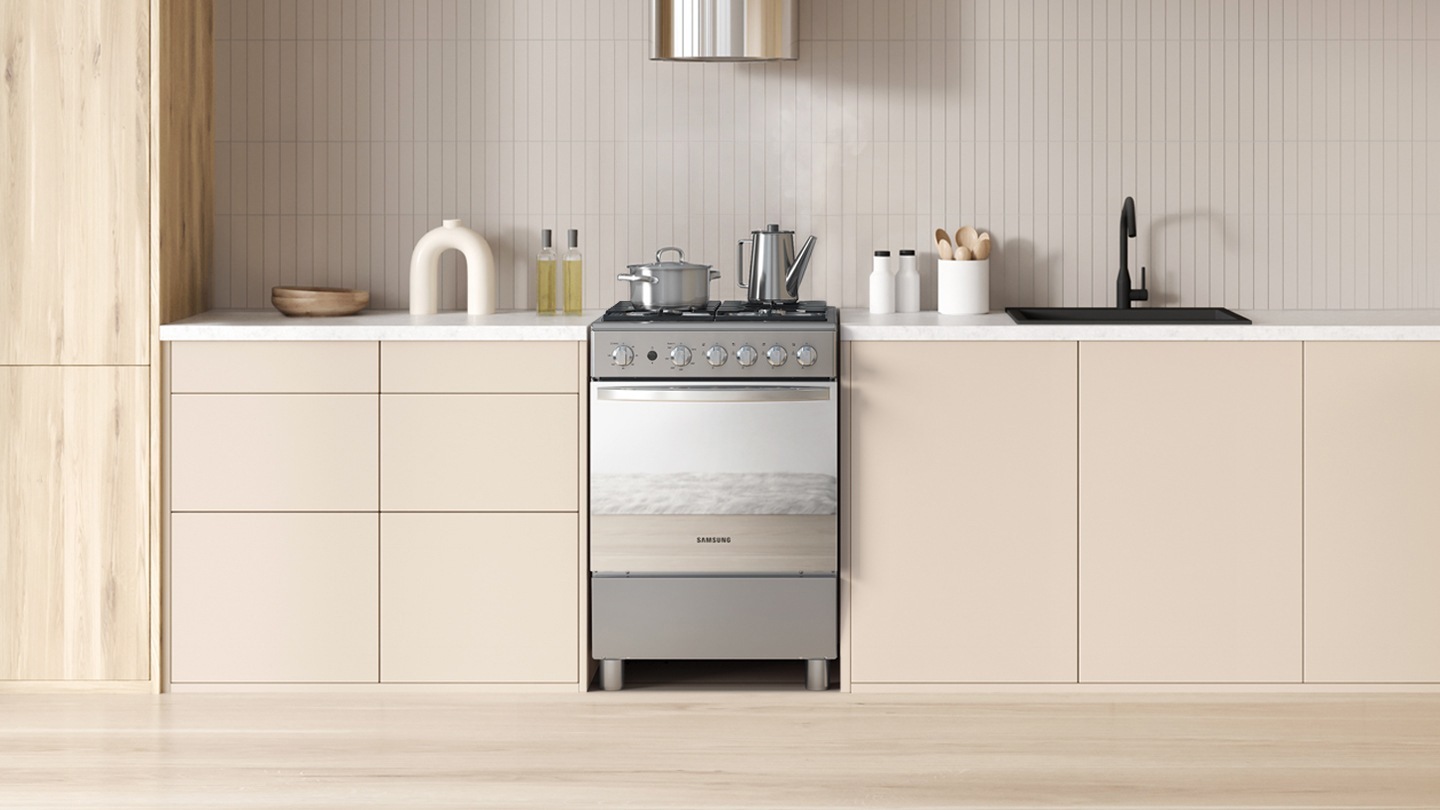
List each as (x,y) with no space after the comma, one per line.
(817,674)
(612,674)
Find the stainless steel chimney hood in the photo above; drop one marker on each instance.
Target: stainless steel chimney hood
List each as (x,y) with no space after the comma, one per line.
(724,30)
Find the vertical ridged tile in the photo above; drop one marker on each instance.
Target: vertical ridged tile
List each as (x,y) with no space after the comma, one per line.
(1261,140)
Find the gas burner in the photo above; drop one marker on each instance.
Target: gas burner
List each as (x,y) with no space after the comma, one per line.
(629,311)
(774,311)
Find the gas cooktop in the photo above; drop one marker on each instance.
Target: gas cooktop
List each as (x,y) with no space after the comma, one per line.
(721,311)
(724,340)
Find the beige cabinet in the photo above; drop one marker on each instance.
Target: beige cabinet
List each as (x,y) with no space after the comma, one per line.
(274,452)
(289,565)
(1190,512)
(478,598)
(74,542)
(962,550)
(479,452)
(1372,512)
(274,598)
(275,367)
(480,367)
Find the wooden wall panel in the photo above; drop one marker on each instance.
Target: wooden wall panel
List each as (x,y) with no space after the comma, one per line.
(74,543)
(75,182)
(183,187)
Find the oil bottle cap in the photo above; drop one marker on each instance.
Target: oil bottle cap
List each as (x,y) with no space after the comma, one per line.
(907,253)
(883,254)
(574,238)
(545,238)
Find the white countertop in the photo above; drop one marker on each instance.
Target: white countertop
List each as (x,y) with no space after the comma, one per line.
(1416,324)
(855,324)
(267,324)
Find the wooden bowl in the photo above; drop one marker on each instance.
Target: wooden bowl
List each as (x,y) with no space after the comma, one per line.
(318,301)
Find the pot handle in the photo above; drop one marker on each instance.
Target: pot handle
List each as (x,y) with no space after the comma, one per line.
(714,275)
(677,250)
(633,277)
(740,263)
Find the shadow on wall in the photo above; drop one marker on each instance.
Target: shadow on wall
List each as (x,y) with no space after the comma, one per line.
(511,276)
(1011,260)
(1165,281)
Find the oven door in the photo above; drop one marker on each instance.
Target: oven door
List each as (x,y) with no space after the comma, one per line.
(717,479)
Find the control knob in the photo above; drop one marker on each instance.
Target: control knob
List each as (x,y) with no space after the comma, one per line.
(806,355)
(680,356)
(776,355)
(747,355)
(716,356)
(623,355)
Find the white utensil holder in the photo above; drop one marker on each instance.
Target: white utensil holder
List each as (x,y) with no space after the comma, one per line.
(964,287)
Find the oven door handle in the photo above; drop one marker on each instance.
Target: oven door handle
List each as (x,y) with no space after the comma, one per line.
(715,393)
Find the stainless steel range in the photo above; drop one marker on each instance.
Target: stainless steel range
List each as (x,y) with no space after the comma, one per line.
(714,489)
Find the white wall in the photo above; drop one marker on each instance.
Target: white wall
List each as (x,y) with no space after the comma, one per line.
(1283,153)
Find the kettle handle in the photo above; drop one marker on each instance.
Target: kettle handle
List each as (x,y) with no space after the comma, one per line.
(740,262)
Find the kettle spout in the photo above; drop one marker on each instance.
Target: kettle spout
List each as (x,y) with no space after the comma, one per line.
(796,273)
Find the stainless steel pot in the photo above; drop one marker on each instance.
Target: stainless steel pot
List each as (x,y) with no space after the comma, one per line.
(670,285)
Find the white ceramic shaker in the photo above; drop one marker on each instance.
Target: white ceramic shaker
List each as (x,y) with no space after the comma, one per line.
(907,283)
(882,285)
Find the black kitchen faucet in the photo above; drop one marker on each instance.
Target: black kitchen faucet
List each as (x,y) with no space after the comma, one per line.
(1123,293)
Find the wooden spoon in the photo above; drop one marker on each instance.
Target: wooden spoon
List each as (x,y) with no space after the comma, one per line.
(968,237)
(982,248)
(963,254)
(942,245)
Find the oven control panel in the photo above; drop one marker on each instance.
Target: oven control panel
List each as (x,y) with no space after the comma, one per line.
(661,354)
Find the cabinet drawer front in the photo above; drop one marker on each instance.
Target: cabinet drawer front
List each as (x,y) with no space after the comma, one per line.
(274,598)
(274,452)
(484,367)
(289,367)
(713,617)
(477,598)
(479,453)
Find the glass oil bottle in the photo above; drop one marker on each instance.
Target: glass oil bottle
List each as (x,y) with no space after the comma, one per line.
(573,274)
(545,265)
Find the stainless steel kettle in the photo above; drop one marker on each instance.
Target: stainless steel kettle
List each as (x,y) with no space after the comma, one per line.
(776,270)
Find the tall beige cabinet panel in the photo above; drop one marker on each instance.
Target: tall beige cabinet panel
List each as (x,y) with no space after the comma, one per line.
(962,511)
(1372,502)
(74,590)
(1190,512)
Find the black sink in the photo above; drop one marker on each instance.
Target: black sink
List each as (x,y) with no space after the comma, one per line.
(1109,315)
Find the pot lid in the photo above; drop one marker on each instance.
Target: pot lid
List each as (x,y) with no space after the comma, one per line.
(679,264)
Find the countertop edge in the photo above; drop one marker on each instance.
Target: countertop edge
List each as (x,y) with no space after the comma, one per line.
(855,325)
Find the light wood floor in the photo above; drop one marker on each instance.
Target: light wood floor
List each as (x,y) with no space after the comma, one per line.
(765,748)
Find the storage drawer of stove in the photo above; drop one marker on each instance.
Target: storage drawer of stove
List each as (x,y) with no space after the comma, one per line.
(714,544)
(736,618)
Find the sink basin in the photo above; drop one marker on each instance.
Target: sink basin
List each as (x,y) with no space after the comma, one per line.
(1109,315)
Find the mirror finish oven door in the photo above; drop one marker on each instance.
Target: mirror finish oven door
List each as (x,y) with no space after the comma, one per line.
(714,479)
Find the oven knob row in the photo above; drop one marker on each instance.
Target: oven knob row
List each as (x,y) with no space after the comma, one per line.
(747,355)
(776,355)
(716,356)
(806,356)
(623,355)
(680,356)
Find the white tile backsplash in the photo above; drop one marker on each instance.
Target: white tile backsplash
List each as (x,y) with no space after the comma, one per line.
(1284,154)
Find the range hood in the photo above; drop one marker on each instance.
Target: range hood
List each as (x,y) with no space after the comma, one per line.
(724,30)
